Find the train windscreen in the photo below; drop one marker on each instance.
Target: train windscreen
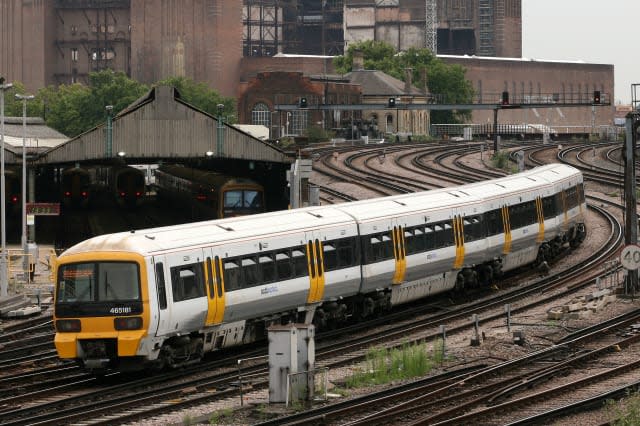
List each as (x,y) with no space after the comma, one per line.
(98,282)
(246,201)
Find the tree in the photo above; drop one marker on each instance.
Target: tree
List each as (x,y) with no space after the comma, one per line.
(75,108)
(447,82)
(202,97)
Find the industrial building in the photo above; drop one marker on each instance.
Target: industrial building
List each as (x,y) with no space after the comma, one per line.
(49,42)
(459,27)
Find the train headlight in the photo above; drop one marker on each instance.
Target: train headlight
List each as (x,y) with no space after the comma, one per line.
(68,326)
(127,323)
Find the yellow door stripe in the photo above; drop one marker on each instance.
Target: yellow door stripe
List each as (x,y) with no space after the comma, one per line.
(399,255)
(320,274)
(458,236)
(507,230)
(218,283)
(313,281)
(211,292)
(540,220)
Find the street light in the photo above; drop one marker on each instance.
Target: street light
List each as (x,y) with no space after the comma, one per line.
(108,151)
(24,99)
(4,280)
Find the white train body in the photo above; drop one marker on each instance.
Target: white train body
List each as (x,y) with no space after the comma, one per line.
(167,295)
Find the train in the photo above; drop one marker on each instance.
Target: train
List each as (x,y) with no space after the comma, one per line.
(128,185)
(211,195)
(164,297)
(13,190)
(75,187)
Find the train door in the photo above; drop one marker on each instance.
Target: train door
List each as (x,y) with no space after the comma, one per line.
(458,238)
(315,263)
(163,326)
(186,281)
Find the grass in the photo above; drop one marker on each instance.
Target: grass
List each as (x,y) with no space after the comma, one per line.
(625,412)
(383,366)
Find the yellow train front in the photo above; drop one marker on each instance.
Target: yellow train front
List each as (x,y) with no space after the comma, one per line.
(104,300)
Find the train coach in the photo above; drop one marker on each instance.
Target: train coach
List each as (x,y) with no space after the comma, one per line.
(211,195)
(166,296)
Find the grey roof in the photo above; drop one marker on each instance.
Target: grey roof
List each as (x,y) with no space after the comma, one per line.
(36,128)
(375,82)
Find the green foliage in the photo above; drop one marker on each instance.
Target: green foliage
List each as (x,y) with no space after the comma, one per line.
(625,412)
(75,108)
(500,160)
(316,134)
(202,97)
(382,366)
(446,81)
(221,416)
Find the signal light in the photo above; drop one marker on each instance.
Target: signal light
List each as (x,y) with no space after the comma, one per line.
(391,103)
(505,98)
(303,102)
(596,96)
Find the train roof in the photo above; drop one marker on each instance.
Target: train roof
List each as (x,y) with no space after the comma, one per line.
(157,240)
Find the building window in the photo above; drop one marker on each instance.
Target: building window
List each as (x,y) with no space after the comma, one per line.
(261,115)
(74,54)
(298,122)
(102,54)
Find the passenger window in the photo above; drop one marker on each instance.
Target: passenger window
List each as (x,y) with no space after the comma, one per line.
(250,273)
(268,268)
(300,266)
(283,266)
(187,282)
(231,275)
(330,256)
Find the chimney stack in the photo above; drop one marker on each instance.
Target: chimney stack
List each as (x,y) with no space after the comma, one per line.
(408,76)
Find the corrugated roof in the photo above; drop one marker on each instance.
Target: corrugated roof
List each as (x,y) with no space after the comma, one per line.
(375,82)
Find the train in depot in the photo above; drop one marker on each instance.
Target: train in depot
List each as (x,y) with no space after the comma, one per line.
(167,296)
(128,185)
(75,187)
(13,190)
(210,195)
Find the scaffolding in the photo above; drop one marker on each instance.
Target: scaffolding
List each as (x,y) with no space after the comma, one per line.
(431,25)
(486,28)
(293,26)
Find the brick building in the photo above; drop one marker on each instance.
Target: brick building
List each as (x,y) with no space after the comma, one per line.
(44,42)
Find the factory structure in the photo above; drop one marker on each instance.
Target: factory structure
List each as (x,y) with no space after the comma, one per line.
(230,45)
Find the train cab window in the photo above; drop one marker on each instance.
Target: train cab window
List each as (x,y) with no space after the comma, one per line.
(187,282)
(268,268)
(299,260)
(330,255)
(231,274)
(283,266)
(250,273)
(253,199)
(162,290)
(98,282)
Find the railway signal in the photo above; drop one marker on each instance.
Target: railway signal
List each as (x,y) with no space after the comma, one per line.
(596,97)
(391,103)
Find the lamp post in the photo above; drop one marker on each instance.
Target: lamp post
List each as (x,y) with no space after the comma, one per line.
(108,152)
(220,134)
(24,99)
(4,280)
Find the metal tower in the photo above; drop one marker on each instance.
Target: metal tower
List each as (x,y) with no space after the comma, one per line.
(431,26)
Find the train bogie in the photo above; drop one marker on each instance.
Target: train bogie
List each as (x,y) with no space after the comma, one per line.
(213,284)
